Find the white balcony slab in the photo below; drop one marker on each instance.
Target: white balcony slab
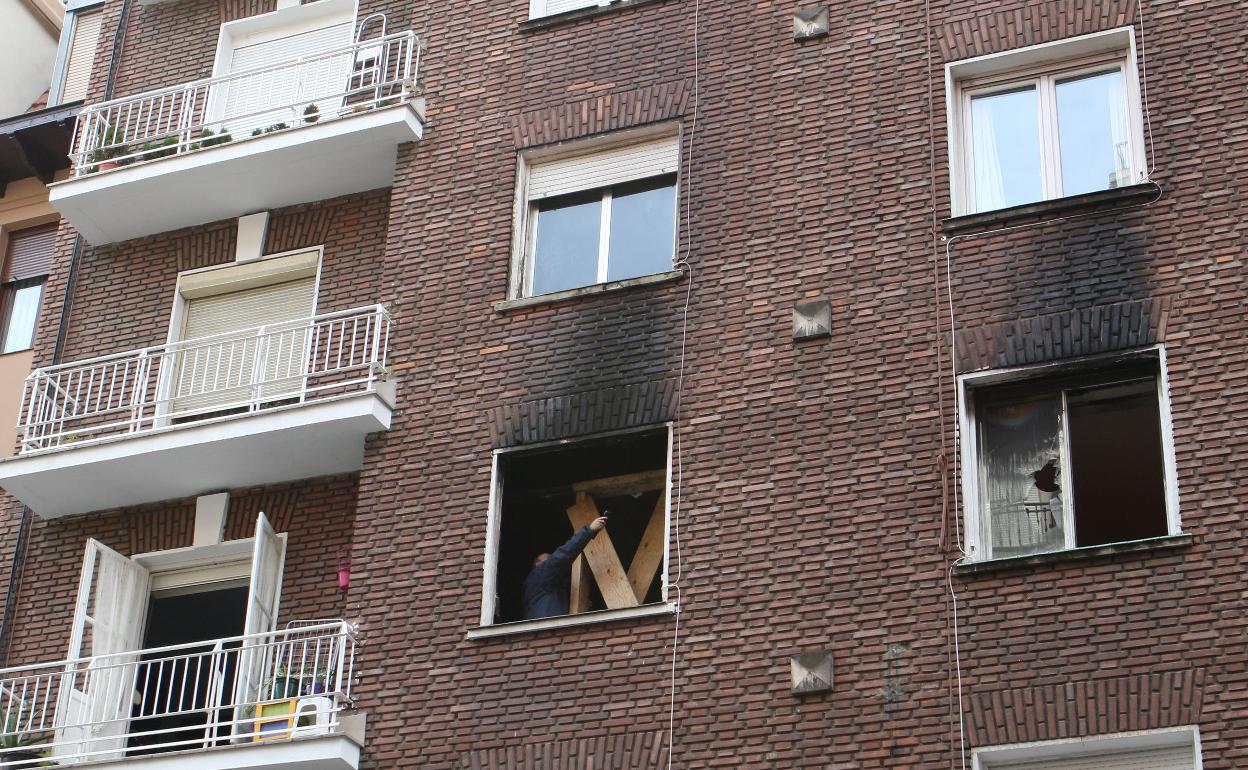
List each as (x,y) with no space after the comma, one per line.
(270,446)
(330,752)
(302,164)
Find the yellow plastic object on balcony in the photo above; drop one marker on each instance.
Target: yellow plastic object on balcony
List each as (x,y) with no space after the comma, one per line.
(275,720)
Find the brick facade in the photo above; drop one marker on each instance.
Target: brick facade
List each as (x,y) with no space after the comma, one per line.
(812,513)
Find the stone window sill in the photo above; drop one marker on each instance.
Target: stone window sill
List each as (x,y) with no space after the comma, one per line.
(587,291)
(1032,213)
(570,17)
(1166,543)
(568,621)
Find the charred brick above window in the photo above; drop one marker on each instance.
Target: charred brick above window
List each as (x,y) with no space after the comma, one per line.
(1033,23)
(1100,707)
(582,414)
(1073,333)
(636,751)
(608,112)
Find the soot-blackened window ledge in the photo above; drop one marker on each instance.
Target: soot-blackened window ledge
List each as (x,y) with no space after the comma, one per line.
(568,621)
(1040,211)
(592,290)
(1164,543)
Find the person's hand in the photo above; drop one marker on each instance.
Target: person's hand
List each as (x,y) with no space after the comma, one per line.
(598,524)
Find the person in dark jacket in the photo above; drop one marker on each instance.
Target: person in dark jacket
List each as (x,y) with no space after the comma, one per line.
(546,588)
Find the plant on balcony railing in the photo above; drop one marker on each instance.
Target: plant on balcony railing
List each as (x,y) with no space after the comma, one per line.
(20,747)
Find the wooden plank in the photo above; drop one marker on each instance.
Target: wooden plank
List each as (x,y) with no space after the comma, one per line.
(649,556)
(601,555)
(578,598)
(629,484)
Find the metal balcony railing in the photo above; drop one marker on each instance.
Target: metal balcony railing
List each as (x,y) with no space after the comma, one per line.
(278,685)
(307,360)
(374,73)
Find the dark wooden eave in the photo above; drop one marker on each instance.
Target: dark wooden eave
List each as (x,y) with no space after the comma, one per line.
(36,143)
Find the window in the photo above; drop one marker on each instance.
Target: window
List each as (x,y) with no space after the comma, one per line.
(539,8)
(1176,748)
(75,56)
(26,266)
(1046,122)
(1068,460)
(595,217)
(545,496)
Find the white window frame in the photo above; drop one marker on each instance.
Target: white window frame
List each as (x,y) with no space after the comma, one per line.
(489,594)
(541,8)
(1013,755)
(60,66)
(524,235)
(1040,66)
(977,542)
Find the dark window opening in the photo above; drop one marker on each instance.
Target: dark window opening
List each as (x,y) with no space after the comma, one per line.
(1071,461)
(621,477)
(173,689)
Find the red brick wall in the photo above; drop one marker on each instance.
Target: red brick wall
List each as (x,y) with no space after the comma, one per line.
(812,505)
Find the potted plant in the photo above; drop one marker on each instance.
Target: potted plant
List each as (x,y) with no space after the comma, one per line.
(159,149)
(17,747)
(311,113)
(105,154)
(210,138)
(269,129)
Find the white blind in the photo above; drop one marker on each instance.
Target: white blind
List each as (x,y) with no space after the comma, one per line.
(81,54)
(550,7)
(603,169)
(223,372)
(1180,758)
(248,99)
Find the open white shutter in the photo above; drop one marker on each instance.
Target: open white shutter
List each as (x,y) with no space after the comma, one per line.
(1177,758)
(603,169)
(259,653)
(280,92)
(93,706)
(222,373)
(86,35)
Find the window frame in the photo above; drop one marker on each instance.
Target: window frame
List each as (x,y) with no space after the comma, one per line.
(489,593)
(524,235)
(60,65)
(8,295)
(538,8)
(1006,756)
(977,537)
(1041,66)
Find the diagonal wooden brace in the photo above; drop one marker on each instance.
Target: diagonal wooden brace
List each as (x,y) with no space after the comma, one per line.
(649,556)
(613,582)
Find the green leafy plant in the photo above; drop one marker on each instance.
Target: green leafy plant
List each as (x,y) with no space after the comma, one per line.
(311,113)
(210,138)
(269,129)
(108,147)
(159,149)
(17,745)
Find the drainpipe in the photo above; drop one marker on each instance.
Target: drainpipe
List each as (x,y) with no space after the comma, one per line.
(62,329)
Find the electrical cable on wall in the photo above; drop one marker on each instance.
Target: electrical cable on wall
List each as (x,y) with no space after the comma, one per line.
(683,264)
(953,627)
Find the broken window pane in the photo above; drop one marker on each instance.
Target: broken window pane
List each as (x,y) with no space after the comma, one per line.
(1020,483)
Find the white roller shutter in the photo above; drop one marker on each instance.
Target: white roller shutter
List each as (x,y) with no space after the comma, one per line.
(603,169)
(81,54)
(1180,758)
(248,101)
(222,372)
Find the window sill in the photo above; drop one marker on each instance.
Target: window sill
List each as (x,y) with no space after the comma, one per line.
(586,291)
(1033,213)
(1166,543)
(567,621)
(570,17)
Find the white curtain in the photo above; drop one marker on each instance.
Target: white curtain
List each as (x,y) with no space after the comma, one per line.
(989,185)
(1117,104)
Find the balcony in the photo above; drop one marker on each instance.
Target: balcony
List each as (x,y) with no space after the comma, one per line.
(274,403)
(270,700)
(296,132)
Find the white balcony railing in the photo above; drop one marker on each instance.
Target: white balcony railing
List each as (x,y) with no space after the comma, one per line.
(289,683)
(179,119)
(307,360)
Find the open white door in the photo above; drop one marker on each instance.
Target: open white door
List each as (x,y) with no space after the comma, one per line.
(259,653)
(93,706)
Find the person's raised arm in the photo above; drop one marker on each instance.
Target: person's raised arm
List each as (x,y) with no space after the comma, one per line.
(567,553)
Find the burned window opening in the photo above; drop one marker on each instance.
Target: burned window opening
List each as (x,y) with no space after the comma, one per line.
(1071,461)
(549,494)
